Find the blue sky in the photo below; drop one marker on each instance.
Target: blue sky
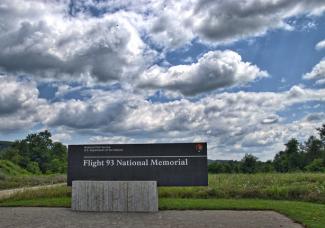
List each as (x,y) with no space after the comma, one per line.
(244,76)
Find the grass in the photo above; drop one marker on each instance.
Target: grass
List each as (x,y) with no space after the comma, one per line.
(278,192)
(7,168)
(13,176)
(43,193)
(293,186)
(289,186)
(40,202)
(10,182)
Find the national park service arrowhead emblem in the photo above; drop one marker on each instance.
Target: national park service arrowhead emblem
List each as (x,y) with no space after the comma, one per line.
(199,147)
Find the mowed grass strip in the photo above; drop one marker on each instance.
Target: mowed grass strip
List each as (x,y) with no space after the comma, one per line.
(38,202)
(310,214)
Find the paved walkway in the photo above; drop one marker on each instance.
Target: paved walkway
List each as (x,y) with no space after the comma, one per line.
(7,193)
(64,217)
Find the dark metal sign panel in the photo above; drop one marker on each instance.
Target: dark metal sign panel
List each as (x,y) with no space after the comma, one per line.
(170,164)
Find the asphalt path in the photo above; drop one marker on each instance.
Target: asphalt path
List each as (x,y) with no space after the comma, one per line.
(15,217)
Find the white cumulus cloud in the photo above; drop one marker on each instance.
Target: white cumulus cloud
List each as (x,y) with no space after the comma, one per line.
(320,45)
(20,106)
(317,73)
(40,38)
(215,69)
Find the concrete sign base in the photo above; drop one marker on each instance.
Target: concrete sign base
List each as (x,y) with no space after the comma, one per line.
(123,196)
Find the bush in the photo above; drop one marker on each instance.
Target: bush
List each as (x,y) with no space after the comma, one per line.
(249,164)
(316,166)
(2,175)
(33,168)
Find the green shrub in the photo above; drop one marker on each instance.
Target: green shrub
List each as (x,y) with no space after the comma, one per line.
(33,167)
(316,166)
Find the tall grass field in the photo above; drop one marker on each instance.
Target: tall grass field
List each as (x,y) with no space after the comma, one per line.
(288,186)
(291,186)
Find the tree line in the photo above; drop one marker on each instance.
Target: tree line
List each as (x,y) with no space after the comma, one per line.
(296,157)
(38,154)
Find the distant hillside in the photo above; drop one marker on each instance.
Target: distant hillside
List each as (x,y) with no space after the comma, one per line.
(220,161)
(5,144)
(7,168)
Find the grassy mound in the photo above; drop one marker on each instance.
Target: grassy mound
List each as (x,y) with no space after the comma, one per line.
(13,176)
(5,144)
(7,168)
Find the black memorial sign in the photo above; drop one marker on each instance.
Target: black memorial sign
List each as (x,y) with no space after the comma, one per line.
(170,164)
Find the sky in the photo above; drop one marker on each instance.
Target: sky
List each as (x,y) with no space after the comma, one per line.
(245,76)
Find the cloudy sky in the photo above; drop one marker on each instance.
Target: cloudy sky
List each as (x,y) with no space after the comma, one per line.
(243,75)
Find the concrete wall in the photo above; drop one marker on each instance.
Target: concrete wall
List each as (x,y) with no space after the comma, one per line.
(127,196)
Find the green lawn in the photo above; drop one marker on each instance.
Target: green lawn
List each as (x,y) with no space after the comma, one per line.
(39,202)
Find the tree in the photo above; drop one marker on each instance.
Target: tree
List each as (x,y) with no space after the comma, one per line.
(38,149)
(291,159)
(57,166)
(40,146)
(313,149)
(265,167)
(215,167)
(280,162)
(295,159)
(33,167)
(249,164)
(316,165)
(12,154)
(224,167)
(60,153)
(321,132)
